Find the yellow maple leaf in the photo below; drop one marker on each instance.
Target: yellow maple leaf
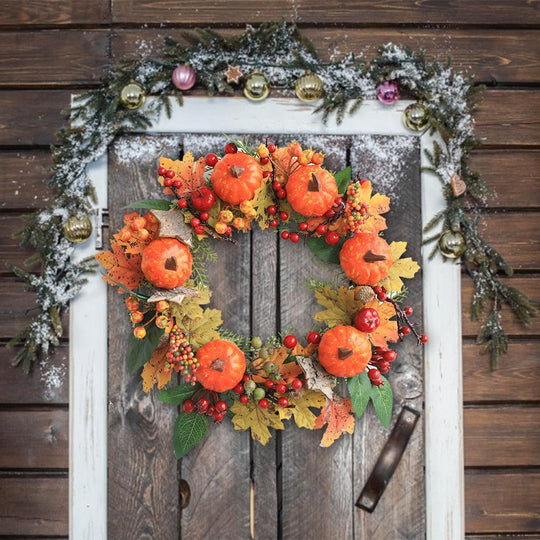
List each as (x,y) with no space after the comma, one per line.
(338,416)
(202,329)
(340,304)
(300,408)
(258,420)
(387,329)
(191,305)
(187,170)
(263,198)
(155,370)
(401,268)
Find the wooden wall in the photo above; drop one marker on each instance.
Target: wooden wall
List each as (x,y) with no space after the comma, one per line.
(48,49)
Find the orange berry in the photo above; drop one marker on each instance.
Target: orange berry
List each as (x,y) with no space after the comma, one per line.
(162,321)
(143,234)
(137,316)
(139,332)
(221,228)
(162,306)
(132,303)
(138,223)
(226,216)
(124,235)
(317,158)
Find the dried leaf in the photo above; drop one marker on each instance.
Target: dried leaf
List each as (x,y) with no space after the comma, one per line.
(316,377)
(155,371)
(175,296)
(387,329)
(120,267)
(187,170)
(405,268)
(171,225)
(338,416)
(258,420)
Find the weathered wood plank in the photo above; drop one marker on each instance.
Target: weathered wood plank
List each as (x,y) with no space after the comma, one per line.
(502,436)
(507,117)
(10,250)
(42,444)
(518,536)
(516,236)
(362,12)
(492,55)
(390,163)
(502,502)
(34,506)
(221,463)
(515,380)
(143,485)
(60,12)
(529,285)
(308,507)
(23,180)
(52,57)
(512,174)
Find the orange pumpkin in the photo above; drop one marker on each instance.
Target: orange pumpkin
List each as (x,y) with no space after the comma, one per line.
(222,365)
(311,190)
(344,351)
(236,177)
(166,263)
(366,258)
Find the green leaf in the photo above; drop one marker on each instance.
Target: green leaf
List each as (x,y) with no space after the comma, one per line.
(360,392)
(189,429)
(325,252)
(383,400)
(150,204)
(343,179)
(177,394)
(141,350)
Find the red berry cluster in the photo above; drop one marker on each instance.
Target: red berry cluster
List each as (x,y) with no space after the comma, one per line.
(168,178)
(207,404)
(272,391)
(180,356)
(381,359)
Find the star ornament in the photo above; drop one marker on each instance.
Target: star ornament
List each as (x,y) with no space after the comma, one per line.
(233,74)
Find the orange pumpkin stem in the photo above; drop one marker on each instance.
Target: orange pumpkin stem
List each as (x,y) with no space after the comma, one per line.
(314,184)
(344,352)
(371,256)
(236,171)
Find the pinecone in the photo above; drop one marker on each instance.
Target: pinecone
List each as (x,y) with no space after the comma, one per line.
(364,294)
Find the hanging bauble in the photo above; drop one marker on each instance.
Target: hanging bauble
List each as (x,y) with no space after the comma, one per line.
(415,117)
(256,87)
(78,228)
(388,92)
(452,244)
(132,95)
(309,87)
(184,77)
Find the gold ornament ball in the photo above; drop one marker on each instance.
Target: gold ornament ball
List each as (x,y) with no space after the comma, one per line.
(132,96)
(415,117)
(452,244)
(78,229)
(309,87)
(256,87)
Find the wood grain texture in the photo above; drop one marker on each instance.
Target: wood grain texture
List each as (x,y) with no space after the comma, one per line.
(406,519)
(52,57)
(42,444)
(47,382)
(515,380)
(529,285)
(517,536)
(10,250)
(512,175)
(34,506)
(59,12)
(361,12)
(502,501)
(221,464)
(492,55)
(502,437)
(143,483)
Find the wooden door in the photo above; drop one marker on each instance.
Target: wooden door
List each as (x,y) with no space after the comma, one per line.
(291,488)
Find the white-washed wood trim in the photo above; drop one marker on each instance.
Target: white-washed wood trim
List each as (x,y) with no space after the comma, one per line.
(442,316)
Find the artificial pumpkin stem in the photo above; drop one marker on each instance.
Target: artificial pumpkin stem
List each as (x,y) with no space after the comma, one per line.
(236,171)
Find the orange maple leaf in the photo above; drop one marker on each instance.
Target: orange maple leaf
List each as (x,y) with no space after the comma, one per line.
(284,163)
(187,170)
(121,268)
(387,329)
(155,370)
(339,225)
(338,416)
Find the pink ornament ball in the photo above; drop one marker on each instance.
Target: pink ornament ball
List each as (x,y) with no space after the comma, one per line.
(388,92)
(184,77)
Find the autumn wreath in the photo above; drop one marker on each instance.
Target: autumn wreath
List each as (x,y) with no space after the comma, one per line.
(158,259)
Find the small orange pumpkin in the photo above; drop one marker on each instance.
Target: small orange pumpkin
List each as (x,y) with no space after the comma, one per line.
(344,351)
(366,258)
(236,177)
(222,365)
(166,263)
(311,190)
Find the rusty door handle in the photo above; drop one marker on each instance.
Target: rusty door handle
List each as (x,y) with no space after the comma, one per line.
(388,459)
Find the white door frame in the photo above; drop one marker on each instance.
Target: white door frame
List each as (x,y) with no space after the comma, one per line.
(442,320)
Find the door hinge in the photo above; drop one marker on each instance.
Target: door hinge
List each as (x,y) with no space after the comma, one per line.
(102,220)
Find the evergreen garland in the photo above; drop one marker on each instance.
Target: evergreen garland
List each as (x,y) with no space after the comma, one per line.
(281,53)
